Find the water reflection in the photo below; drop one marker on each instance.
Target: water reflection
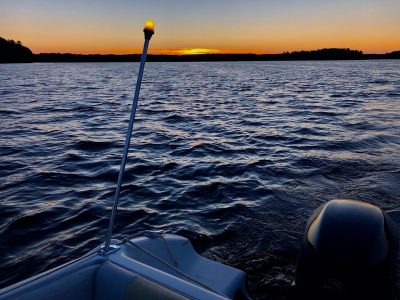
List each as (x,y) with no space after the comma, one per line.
(233,155)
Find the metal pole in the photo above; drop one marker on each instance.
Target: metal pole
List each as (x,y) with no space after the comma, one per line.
(126,147)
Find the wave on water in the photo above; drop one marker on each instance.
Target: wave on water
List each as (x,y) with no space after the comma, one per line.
(233,155)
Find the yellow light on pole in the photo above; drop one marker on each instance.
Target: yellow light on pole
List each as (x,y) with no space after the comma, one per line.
(149,25)
(148,29)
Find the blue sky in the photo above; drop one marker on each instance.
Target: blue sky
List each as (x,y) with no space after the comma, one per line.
(90,26)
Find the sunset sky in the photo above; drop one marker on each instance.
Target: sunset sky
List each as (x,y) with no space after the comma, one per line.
(194,26)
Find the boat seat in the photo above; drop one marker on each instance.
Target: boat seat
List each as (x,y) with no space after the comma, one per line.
(117,283)
(76,283)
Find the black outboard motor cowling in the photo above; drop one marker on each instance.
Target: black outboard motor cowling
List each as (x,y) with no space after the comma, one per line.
(348,252)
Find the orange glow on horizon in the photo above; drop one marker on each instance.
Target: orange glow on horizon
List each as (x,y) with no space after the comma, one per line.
(199,51)
(194,51)
(202,27)
(183,51)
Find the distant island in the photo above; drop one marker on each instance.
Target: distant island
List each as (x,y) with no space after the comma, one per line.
(14,52)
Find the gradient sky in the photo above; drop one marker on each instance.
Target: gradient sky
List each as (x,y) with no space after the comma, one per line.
(258,26)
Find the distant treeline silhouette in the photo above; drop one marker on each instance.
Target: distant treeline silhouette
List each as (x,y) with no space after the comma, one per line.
(11,51)
(321,54)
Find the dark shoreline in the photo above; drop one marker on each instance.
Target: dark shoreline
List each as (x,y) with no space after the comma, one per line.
(14,52)
(293,56)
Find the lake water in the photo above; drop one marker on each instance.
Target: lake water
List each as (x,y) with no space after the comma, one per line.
(233,155)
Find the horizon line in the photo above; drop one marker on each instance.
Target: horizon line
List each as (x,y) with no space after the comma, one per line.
(205,51)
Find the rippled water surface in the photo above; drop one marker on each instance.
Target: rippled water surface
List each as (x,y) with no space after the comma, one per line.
(233,155)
